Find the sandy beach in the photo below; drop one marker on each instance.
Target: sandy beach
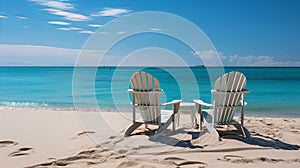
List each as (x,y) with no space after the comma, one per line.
(50,138)
(78,80)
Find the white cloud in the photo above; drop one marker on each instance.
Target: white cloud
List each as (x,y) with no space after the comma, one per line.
(288,63)
(111,12)
(3,17)
(22,55)
(155,29)
(36,55)
(209,57)
(121,32)
(54,4)
(21,17)
(58,8)
(67,15)
(95,25)
(101,32)
(58,23)
(250,60)
(86,32)
(208,54)
(69,28)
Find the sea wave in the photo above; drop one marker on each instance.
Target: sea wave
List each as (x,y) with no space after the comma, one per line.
(46,106)
(22,104)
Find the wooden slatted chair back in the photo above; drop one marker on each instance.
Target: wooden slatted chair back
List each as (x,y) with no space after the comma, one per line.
(227,96)
(147,96)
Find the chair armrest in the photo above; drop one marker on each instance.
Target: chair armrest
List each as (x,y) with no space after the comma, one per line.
(203,103)
(230,92)
(246,90)
(172,102)
(131,91)
(244,102)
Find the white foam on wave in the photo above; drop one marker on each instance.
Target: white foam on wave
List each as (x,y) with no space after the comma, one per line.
(22,104)
(41,106)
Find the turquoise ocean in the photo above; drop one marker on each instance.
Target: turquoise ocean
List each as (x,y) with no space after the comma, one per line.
(275,91)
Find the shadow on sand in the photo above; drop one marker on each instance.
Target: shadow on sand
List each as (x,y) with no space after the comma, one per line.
(262,141)
(176,140)
(170,139)
(257,139)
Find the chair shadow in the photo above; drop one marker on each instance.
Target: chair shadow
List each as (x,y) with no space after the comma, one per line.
(257,139)
(172,141)
(261,140)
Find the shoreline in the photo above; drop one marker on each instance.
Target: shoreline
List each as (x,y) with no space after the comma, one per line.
(72,109)
(41,138)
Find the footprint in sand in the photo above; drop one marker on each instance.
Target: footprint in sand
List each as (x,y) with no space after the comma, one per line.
(232,158)
(112,141)
(174,158)
(236,159)
(21,151)
(180,162)
(83,133)
(7,143)
(240,159)
(112,137)
(128,163)
(122,151)
(194,163)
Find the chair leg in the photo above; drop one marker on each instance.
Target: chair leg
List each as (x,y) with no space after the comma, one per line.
(244,131)
(212,130)
(146,126)
(162,128)
(173,122)
(247,133)
(131,128)
(199,111)
(192,118)
(200,121)
(178,118)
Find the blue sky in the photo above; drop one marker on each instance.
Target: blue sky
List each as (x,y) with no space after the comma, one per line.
(253,32)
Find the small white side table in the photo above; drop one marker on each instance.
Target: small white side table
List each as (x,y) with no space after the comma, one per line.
(187,108)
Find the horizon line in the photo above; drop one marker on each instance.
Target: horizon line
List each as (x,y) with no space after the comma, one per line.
(112,66)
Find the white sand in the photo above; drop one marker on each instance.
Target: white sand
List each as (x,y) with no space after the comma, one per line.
(48,138)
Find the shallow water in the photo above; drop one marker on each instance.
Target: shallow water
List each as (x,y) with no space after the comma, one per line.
(274,91)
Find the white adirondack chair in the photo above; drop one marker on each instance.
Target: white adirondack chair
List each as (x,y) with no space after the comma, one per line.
(228,95)
(146,102)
